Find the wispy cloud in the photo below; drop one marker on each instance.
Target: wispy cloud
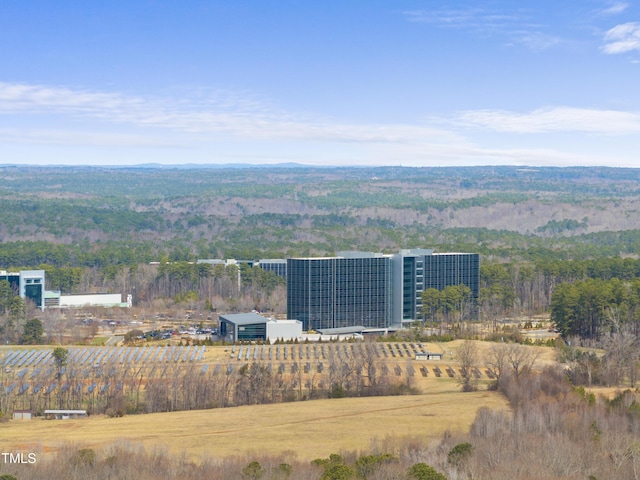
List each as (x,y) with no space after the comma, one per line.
(555,119)
(622,38)
(239,124)
(472,18)
(515,26)
(222,115)
(478,154)
(615,8)
(50,136)
(537,41)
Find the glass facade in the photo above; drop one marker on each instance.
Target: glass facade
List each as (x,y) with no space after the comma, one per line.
(279,267)
(417,270)
(443,270)
(14,281)
(257,331)
(243,326)
(340,291)
(373,291)
(33,291)
(29,284)
(408,287)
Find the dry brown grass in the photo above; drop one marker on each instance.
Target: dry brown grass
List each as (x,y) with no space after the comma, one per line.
(304,430)
(545,355)
(608,393)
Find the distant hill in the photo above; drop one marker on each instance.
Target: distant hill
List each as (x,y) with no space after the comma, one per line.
(246,210)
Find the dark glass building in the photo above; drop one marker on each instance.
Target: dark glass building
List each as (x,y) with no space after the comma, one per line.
(277,266)
(29,284)
(420,269)
(243,326)
(352,289)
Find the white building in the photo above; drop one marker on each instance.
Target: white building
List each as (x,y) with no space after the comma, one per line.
(94,300)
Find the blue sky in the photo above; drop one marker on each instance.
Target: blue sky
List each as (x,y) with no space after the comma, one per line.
(360,82)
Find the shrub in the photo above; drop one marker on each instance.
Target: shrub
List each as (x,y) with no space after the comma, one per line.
(337,471)
(84,456)
(459,454)
(253,470)
(337,391)
(422,471)
(285,469)
(368,464)
(334,468)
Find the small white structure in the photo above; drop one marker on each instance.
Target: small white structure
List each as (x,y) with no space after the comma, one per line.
(429,356)
(65,414)
(284,330)
(22,414)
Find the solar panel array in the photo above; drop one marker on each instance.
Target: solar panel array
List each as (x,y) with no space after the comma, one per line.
(97,356)
(31,371)
(24,359)
(292,352)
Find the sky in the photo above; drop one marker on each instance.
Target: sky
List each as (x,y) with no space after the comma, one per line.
(356,82)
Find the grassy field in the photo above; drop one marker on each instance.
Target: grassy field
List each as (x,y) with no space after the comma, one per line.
(305,430)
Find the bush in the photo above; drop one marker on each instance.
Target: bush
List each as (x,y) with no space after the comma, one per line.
(337,391)
(253,470)
(114,412)
(84,456)
(422,471)
(285,469)
(338,471)
(368,464)
(459,454)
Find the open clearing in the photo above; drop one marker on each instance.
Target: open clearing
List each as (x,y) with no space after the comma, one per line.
(305,430)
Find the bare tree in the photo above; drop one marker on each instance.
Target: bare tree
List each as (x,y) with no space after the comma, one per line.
(521,359)
(370,365)
(497,361)
(621,353)
(467,356)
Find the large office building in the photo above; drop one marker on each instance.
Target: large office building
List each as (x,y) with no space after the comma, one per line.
(373,290)
(420,269)
(353,288)
(29,284)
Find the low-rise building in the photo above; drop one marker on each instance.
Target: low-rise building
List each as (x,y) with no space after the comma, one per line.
(240,327)
(22,414)
(64,414)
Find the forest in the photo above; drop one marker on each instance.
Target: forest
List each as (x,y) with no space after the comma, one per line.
(545,235)
(102,217)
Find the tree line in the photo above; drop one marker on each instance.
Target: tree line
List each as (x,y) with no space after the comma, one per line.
(593,308)
(507,289)
(117,388)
